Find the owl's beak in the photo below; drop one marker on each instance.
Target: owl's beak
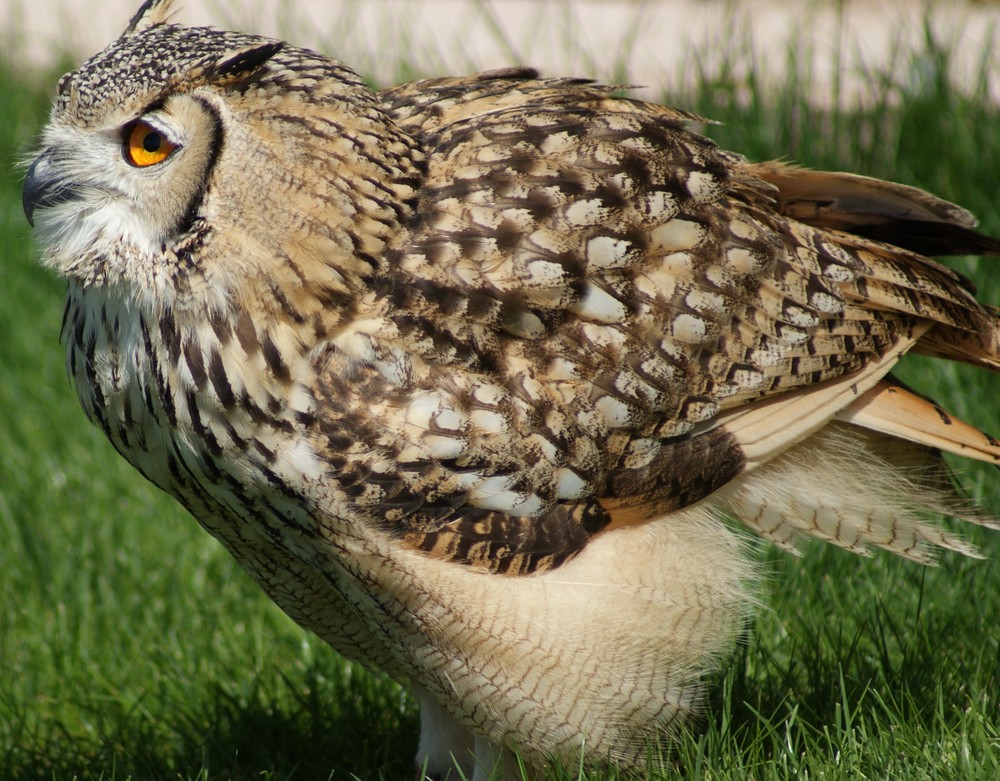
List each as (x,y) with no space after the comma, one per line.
(44,187)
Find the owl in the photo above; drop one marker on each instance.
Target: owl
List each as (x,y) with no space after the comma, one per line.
(469,373)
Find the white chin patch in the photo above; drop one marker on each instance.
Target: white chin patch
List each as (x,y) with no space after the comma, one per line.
(94,227)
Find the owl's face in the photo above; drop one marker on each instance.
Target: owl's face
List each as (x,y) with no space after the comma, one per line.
(133,179)
(126,170)
(184,160)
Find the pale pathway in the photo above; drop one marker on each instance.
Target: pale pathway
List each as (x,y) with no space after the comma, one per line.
(660,44)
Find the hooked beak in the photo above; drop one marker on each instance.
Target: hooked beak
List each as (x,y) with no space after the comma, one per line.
(43,187)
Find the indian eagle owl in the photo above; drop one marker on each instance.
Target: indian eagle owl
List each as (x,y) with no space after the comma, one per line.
(467,372)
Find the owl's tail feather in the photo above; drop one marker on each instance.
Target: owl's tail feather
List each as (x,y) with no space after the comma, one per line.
(856,489)
(766,429)
(891,409)
(888,212)
(868,474)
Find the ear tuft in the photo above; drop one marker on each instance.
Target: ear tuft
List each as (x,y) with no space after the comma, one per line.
(245,61)
(150,13)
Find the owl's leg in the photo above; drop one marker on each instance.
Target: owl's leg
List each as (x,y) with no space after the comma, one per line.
(445,745)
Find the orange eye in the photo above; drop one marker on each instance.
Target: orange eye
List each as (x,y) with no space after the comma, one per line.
(145,145)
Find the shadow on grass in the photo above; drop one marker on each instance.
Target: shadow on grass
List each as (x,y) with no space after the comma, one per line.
(888,656)
(316,734)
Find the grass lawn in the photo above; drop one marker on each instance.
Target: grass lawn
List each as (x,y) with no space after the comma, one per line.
(131,646)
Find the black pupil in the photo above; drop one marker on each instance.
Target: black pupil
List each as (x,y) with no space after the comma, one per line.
(151,141)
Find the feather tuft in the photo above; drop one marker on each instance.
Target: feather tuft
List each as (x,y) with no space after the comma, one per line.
(856,489)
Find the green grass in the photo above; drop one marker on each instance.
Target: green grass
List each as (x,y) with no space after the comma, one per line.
(131,646)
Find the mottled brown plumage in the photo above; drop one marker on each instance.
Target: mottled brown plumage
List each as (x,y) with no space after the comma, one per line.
(464,372)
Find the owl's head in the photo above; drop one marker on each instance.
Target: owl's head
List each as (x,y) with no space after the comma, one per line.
(191,156)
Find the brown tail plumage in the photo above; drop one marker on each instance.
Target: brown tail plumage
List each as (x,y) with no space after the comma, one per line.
(896,214)
(870,471)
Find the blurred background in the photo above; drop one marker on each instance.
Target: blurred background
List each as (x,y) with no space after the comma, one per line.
(666,44)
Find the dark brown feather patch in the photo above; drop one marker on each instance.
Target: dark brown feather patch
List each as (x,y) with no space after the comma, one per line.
(684,471)
(507,545)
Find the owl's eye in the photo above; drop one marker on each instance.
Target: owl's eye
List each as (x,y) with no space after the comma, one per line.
(145,145)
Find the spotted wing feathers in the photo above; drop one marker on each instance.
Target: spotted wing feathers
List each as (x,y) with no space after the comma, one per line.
(598,317)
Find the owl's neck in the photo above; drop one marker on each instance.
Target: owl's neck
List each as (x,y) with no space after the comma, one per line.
(180,396)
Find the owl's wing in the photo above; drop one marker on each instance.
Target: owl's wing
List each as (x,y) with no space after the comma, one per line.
(606,317)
